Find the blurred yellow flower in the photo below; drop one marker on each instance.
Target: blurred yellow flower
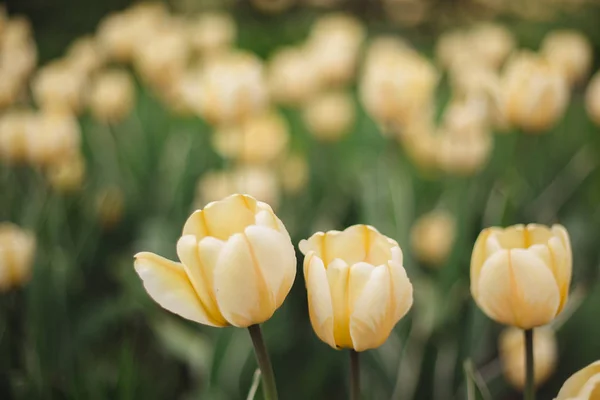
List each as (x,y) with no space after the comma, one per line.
(492,43)
(330,116)
(14,127)
(17,252)
(67,175)
(259,139)
(357,286)
(582,385)
(569,51)
(432,237)
(592,98)
(212,32)
(58,86)
(512,355)
(520,275)
(293,78)
(294,173)
(237,265)
(53,138)
(535,93)
(112,96)
(84,55)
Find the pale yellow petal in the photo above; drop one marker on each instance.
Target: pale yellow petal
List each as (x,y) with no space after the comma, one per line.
(229,216)
(564,258)
(319,300)
(360,273)
(276,257)
(195,225)
(516,288)
(401,291)
(240,289)
(478,258)
(371,321)
(591,390)
(167,283)
(265,211)
(351,245)
(337,276)
(575,384)
(537,234)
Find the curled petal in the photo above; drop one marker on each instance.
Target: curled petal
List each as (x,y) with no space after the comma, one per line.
(319,300)
(577,383)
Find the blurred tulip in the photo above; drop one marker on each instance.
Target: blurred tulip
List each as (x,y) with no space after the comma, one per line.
(272,6)
(233,88)
(357,286)
(53,138)
(293,78)
(333,47)
(569,51)
(109,206)
(84,55)
(237,265)
(17,252)
(582,385)
(421,143)
(59,87)
(212,32)
(19,58)
(592,98)
(463,153)
(14,127)
(432,237)
(330,116)
(67,175)
(112,96)
(520,275)
(294,173)
(451,48)
(492,43)
(535,93)
(512,354)
(259,139)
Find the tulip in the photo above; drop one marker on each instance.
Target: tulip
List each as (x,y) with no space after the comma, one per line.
(592,98)
(84,55)
(17,251)
(212,32)
(463,152)
(237,265)
(112,96)
(512,354)
(330,116)
(67,175)
(294,173)
(491,43)
(432,237)
(520,275)
(53,138)
(59,87)
(571,52)
(357,287)
(583,385)
(293,78)
(14,126)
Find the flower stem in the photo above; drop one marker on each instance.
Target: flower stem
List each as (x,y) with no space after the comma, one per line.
(354,375)
(264,363)
(529,378)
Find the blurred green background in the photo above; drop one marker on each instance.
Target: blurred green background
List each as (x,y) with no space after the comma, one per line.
(84,328)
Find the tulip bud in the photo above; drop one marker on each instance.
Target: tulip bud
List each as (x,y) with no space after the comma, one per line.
(67,175)
(84,55)
(330,116)
(421,142)
(53,138)
(357,286)
(582,385)
(14,127)
(570,52)
(59,87)
(592,98)
(237,265)
(535,93)
(491,43)
(520,275)
(259,139)
(233,88)
(212,32)
(293,78)
(17,252)
(512,354)
(294,173)
(432,237)
(112,96)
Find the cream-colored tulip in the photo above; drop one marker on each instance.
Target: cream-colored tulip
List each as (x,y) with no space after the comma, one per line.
(53,138)
(520,275)
(357,286)
(67,175)
(421,142)
(592,98)
(85,56)
(582,385)
(212,32)
(432,237)
(59,87)
(233,87)
(237,265)
(293,78)
(330,116)
(491,43)
(463,153)
(259,139)
(17,252)
(535,93)
(112,96)
(294,173)
(571,52)
(512,355)
(14,127)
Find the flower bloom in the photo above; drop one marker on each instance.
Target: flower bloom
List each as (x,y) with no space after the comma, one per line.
(571,52)
(520,275)
(583,385)
(592,98)
(512,355)
(112,96)
(357,287)
(329,116)
(17,250)
(237,265)
(432,237)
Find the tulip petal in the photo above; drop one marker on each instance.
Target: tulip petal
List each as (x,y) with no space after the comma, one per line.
(478,258)
(229,216)
(517,288)
(276,257)
(240,288)
(371,320)
(273,222)
(167,283)
(360,273)
(402,291)
(337,275)
(319,300)
(351,245)
(574,386)
(560,246)
(195,225)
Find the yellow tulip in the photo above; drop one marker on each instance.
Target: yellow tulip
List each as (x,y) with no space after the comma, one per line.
(520,275)
(212,32)
(357,287)
(512,354)
(58,86)
(14,127)
(68,174)
(583,385)
(329,116)
(571,52)
(237,265)
(112,96)
(17,251)
(293,78)
(53,138)
(592,98)
(432,237)
(84,55)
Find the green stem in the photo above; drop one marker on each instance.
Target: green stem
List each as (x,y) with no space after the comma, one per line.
(529,378)
(264,363)
(354,375)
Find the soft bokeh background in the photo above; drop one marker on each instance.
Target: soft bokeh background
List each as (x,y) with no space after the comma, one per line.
(83,328)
